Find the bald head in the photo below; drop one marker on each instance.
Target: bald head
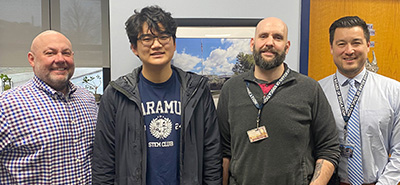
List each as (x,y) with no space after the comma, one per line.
(52,59)
(274,23)
(56,37)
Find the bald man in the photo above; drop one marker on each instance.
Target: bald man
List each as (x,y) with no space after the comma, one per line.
(276,124)
(47,125)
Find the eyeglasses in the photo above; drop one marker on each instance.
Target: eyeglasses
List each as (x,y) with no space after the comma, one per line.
(148,39)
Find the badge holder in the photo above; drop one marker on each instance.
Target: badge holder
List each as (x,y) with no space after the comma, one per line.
(257,134)
(346,150)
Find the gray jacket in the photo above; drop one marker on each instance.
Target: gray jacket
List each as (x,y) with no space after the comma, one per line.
(119,154)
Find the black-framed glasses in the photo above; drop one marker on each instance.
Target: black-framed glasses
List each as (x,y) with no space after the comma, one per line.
(148,39)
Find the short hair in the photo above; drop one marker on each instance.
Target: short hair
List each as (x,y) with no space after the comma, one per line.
(153,16)
(348,22)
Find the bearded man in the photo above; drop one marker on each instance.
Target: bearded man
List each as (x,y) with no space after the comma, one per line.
(276,124)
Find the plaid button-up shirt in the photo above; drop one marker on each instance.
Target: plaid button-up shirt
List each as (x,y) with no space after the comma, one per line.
(46,137)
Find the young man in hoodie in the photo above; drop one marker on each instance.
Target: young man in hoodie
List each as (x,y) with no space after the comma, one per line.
(158,124)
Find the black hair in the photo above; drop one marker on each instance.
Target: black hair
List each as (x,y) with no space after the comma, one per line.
(348,22)
(153,16)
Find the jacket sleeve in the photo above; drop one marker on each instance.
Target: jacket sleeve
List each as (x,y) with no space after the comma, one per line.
(326,142)
(103,163)
(212,144)
(222,112)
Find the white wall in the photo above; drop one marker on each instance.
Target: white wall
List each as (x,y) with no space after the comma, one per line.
(124,61)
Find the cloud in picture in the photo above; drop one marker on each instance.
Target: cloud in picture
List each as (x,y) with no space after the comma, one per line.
(219,55)
(186,61)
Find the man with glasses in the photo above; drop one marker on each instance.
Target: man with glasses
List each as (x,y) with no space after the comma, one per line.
(158,124)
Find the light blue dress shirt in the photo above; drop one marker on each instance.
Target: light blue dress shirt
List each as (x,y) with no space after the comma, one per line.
(379,107)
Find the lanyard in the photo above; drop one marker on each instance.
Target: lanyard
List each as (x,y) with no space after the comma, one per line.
(346,115)
(265,97)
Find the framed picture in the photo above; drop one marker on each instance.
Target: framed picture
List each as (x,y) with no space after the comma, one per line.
(215,48)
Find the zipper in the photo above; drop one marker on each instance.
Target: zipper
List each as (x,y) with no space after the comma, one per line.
(183,127)
(143,131)
(196,89)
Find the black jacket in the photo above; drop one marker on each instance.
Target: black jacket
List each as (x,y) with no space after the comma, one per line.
(119,154)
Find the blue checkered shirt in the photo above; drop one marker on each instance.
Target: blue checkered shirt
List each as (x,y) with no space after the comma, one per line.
(46,137)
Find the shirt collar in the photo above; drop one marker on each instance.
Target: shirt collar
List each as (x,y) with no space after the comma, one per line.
(343,80)
(40,84)
(250,76)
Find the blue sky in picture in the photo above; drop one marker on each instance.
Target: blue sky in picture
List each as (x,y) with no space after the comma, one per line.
(217,57)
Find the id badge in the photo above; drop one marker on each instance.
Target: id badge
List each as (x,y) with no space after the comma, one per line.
(257,134)
(346,150)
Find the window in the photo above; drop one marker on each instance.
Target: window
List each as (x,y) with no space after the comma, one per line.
(84,22)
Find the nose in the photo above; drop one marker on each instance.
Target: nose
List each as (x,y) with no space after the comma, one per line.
(269,41)
(59,57)
(156,43)
(349,49)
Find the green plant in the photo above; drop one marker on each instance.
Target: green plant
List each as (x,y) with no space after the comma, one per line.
(92,83)
(6,81)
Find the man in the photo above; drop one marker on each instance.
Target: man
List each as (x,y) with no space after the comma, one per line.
(47,125)
(376,107)
(158,124)
(283,132)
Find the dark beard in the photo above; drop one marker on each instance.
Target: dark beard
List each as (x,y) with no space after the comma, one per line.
(267,65)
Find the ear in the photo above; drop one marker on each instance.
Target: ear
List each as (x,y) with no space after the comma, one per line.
(31,59)
(331,49)
(134,50)
(368,45)
(287,47)
(251,44)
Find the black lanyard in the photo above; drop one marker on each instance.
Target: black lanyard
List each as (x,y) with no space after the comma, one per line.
(346,115)
(265,97)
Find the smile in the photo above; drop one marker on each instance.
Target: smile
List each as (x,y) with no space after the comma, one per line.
(157,53)
(268,53)
(60,69)
(348,59)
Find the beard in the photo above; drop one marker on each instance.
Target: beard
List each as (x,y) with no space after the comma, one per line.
(265,64)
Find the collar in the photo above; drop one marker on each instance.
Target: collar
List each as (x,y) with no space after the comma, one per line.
(343,80)
(40,84)
(250,75)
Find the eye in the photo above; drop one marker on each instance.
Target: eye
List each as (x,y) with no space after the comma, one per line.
(341,44)
(50,53)
(147,39)
(263,36)
(278,37)
(67,53)
(164,37)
